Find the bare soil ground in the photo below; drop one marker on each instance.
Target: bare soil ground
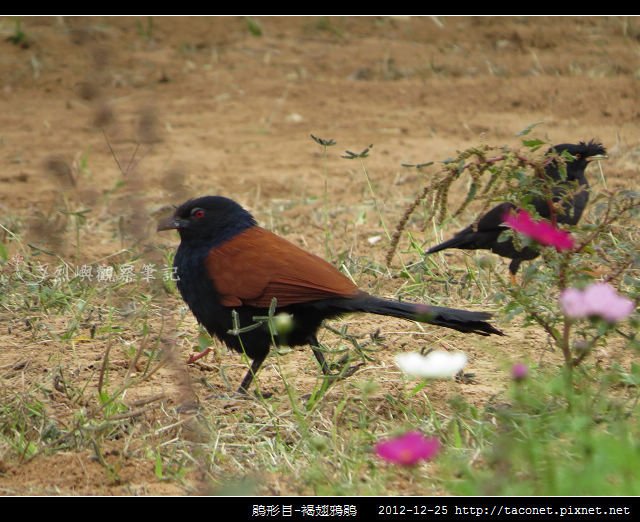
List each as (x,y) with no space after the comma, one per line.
(214,109)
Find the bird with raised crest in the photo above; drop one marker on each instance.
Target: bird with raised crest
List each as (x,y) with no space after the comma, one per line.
(570,195)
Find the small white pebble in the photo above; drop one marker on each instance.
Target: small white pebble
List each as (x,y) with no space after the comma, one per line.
(294,117)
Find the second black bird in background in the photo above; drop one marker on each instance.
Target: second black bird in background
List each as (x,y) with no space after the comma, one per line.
(484,234)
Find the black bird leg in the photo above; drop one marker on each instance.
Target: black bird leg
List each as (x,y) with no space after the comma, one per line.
(248,378)
(319,356)
(513,269)
(243,390)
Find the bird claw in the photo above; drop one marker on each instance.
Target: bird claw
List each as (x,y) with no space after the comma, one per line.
(194,406)
(340,363)
(236,395)
(344,373)
(465,378)
(241,394)
(263,395)
(331,378)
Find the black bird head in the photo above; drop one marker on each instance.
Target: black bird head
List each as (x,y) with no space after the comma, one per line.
(582,153)
(211,219)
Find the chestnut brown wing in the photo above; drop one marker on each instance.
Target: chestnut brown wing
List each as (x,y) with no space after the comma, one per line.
(257,265)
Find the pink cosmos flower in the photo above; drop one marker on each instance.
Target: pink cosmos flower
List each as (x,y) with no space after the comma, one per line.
(573,303)
(598,299)
(541,231)
(519,372)
(408,449)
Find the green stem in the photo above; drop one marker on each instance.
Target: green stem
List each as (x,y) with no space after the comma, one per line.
(325,202)
(564,344)
(375,200)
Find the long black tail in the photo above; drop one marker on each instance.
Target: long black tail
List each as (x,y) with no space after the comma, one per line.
(460,320)
(457,241)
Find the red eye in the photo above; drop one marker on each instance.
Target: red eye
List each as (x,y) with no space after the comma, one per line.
(197,213)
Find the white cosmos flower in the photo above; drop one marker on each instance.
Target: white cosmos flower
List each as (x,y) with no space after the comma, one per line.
(437,364)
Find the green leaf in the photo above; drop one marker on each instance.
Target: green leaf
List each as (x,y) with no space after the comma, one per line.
(353,155)
(104,397)
(456,436)
(158,466)
(254,26)
(506,235)
(419,387)
(533,144)
(528,129)
(322,141)
(204,341)
(4,254)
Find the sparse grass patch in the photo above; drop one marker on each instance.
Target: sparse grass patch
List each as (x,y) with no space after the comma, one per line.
(544,434)
(91,372)
(553,439)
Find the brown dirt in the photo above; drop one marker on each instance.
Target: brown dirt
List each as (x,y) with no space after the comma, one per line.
(218,110)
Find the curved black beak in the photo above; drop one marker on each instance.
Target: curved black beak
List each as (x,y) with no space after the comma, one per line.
(597,157)
(170,223)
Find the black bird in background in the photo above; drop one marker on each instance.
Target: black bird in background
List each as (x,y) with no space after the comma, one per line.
(226,262)
(484,236)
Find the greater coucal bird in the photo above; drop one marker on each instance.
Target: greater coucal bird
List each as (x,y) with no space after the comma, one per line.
(226,262)
(485,234)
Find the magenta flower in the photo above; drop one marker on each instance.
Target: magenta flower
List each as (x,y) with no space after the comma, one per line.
(408,449)
(541,231)
(521,222)
(519,372)
(597,300)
